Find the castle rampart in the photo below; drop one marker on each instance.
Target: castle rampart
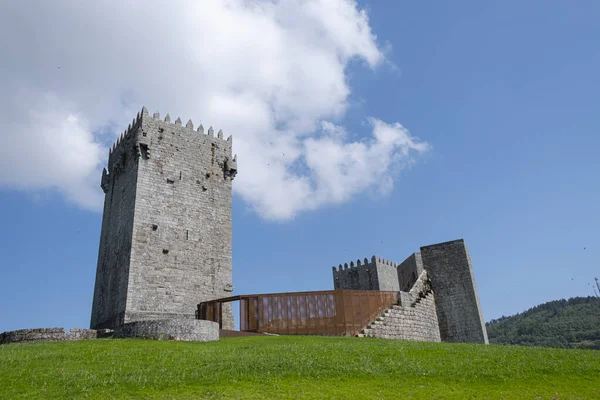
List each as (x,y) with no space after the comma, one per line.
(443,273)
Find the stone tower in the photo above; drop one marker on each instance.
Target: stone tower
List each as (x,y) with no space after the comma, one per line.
(165,244)
(453,282)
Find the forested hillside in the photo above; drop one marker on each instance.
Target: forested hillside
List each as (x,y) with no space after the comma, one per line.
(573,323)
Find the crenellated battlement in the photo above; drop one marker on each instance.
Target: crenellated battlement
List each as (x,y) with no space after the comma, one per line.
(365,263)
(373,274)
(145,129)
(127,134)
(136,123)
(386,262)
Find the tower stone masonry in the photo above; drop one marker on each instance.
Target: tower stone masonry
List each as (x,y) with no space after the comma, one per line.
(456,298)
(166,240)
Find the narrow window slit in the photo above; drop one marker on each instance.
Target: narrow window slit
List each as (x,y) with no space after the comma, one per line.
(144,151)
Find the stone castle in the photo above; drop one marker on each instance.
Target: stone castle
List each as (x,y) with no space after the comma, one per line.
(165,256)
(166,244)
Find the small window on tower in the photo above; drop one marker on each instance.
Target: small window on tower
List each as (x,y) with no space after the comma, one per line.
(144,151)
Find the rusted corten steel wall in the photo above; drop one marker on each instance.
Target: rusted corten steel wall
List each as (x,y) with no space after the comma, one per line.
(332,312)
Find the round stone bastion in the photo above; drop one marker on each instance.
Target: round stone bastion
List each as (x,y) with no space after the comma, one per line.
(170,329)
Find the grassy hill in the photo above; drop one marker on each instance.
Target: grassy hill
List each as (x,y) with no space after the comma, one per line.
(294,368)
(573,323)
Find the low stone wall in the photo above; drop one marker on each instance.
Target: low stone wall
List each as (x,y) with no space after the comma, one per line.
(166,329)
(33,335)
(46,335)
(82,334)
(170,329)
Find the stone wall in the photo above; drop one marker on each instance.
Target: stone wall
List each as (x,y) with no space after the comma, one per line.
(407,323)
(387,275)
(176,250)
(170,329)
(114,253)
(409,270)
(459,312)
(83,334)
(378,274)
(163,329)
(46,334)
(414,319)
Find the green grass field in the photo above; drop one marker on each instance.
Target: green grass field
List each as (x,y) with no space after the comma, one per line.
(294,368)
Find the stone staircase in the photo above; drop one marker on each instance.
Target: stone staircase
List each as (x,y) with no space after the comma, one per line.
(414,319)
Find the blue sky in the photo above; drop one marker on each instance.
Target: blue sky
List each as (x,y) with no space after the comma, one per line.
(506,96)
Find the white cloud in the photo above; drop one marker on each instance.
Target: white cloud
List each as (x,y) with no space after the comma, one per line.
(272,73)
(48,144)
(342,169)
